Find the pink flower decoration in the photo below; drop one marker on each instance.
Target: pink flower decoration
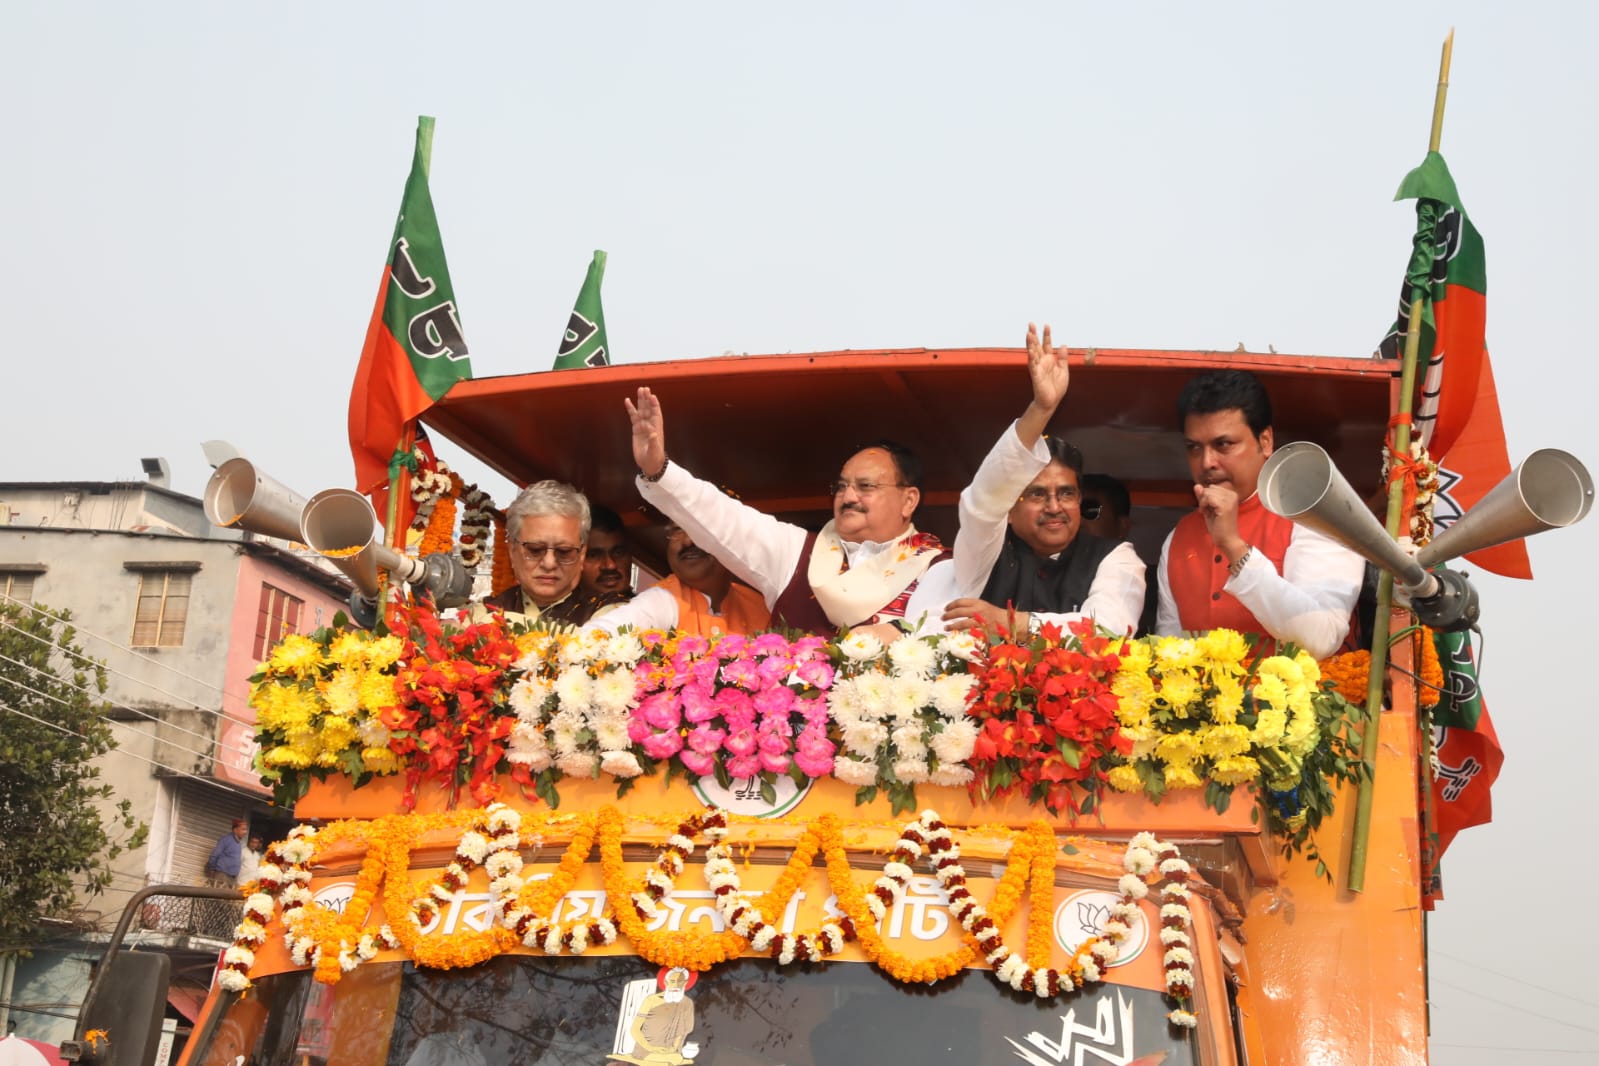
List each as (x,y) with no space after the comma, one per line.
(744,766)
(697,763)
(742,742)
(706,740)
(663,745)
(777,764)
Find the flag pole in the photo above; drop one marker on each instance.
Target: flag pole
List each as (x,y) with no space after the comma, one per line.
(1385,585)
(399,471)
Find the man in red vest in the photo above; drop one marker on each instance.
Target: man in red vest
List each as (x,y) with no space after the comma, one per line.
(1231,563)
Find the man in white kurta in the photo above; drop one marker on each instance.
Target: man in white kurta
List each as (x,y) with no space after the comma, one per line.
(869,565)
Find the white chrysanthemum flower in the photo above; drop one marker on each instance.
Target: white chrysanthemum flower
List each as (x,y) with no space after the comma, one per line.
(1091,972)
(911,771)
(527,698)
(860,646)
(1145,840)
(503,864)
(1174,866)
(238,956)
(1115,930)
(952,776)
(578,764)
(1181,956)
(908,695)
(854,771)
(1013,971)
(620,764)
(610,732)
(912,657)
(843,698)
(763,937)
(1176,910)
(373,733)
(615,692)
(1170,936)
(574,688)
(578,940)
(954,743)
(624,648)
(260,903)
(864,738)
(961,645)
(872,694)
(952,693)
(1183,1019)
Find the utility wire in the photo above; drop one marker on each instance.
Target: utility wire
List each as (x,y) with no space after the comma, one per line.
(1512,1006)
(57,699)
(1541,988)
(111,669)
(115,644)
(158,765)
(117,706)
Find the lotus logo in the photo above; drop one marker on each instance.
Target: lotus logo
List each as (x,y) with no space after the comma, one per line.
(1083,914)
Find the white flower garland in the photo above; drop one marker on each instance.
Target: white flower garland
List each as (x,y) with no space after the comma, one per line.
(746,919)
(905,708)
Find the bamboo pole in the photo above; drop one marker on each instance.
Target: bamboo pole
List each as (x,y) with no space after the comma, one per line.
(400,475)
(1385,585)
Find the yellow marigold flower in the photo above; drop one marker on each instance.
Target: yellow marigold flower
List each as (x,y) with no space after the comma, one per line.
(1309,669)
(377,691)
(1182,777)
(1224,646)
(296,654)
(1227,700)
(283,755)
(1178,749)
(1136,691)
(1223,741)
(1124,779)
(1269,727)
(379,761)
(1234,770)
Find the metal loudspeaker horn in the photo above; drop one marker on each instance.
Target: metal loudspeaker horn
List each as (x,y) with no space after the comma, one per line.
(340,525)
(1549,490)
(239,496)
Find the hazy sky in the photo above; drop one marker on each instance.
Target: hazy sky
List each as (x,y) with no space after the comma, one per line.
(200,197)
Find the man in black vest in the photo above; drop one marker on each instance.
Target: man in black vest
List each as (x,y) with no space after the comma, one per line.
(1049,570)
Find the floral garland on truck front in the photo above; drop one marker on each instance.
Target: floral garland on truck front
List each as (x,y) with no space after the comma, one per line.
(333,942)
(1057,717)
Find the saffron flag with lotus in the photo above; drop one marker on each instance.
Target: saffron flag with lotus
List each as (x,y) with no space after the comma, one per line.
(1456,414)
(415,350)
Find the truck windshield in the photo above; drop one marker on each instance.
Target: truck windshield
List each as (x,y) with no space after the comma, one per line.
(539,1011)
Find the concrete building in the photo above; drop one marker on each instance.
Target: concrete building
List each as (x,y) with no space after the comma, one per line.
(180,612)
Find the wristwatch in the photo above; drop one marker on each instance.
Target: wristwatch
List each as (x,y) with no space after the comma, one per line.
(1243,560)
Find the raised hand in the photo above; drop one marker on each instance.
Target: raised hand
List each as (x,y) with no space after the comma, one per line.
(1218,504)
(649,432)
(1048,368)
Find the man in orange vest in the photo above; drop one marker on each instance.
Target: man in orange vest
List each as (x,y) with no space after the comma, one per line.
(1231,563)
(700,597)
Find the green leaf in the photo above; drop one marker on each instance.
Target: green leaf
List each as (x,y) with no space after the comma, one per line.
(1069,849)
(865,794)
(768,791)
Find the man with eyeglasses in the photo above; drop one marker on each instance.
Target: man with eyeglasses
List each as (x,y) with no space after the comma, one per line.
(1230,563)
(547,529)
(699,597)
(607,559)
(1049,570)
(869,566)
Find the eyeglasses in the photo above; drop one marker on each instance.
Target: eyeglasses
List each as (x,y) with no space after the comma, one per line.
(862,488)
(565,554)
(1092,509)
(1038,494)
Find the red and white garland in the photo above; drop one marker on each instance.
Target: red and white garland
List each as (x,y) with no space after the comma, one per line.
(746,919)
(504,867)
(1145,855)
(476,518)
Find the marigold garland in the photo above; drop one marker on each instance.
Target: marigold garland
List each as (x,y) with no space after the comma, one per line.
(440,535)
(1350,672)
(502,576)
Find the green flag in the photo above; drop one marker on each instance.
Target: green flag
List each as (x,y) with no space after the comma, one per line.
(585,343)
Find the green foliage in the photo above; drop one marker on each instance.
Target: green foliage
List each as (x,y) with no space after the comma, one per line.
(59,829)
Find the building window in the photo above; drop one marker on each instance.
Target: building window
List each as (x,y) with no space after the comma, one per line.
(280,616)
(163,608)
(16,586)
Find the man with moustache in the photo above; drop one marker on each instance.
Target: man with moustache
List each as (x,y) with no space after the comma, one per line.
(1230,563)
(869,566)
(607,559)
(1050,571)
(699,597)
